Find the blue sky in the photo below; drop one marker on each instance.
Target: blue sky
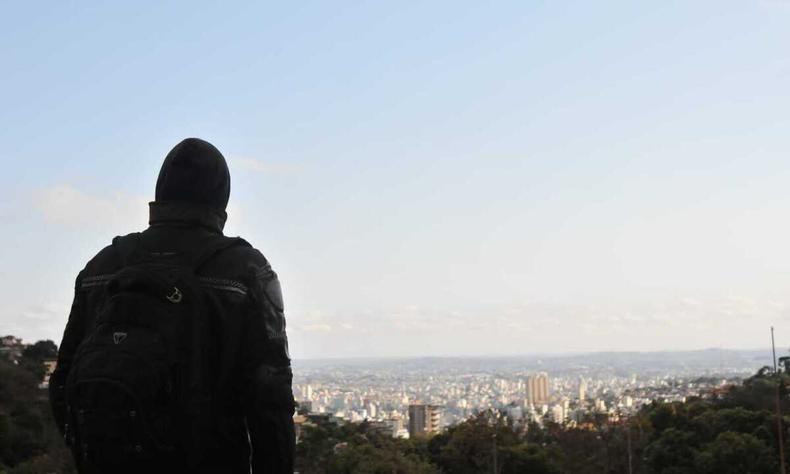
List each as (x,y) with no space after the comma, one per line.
(428,178)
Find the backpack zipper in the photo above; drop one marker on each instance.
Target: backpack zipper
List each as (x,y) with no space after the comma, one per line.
(97,280)
(224,284)
(210,282)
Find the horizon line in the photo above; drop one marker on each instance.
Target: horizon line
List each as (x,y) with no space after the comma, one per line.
(535,354)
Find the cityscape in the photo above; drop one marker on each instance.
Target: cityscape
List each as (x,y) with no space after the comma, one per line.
(408,397)
(423,396)
(589,413)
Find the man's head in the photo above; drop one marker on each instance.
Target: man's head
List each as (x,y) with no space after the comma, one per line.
(194,171)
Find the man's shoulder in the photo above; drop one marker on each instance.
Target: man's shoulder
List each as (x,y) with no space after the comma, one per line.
(106,261)
(241,260)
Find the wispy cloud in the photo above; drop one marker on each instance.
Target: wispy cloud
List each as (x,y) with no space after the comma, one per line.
(71,207)
(257,166)
(45,311)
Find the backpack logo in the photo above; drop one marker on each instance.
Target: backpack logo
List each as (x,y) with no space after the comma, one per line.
(118,337)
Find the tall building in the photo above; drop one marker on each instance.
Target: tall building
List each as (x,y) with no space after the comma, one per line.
(558,414)
(582,390)
(49,367)
(628,401)
(538,388)
(423,419)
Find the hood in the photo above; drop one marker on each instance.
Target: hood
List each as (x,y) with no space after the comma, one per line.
(194,172)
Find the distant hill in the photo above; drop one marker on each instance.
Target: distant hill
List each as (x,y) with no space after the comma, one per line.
(698,361)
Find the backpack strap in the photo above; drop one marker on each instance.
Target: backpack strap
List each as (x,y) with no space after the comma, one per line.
(127,249)
(214,248)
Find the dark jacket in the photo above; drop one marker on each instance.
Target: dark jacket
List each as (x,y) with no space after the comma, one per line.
(253,392)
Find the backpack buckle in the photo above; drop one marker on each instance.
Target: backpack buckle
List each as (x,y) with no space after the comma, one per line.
(175,296)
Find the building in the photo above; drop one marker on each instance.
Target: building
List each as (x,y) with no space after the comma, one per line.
(557,414)
(11,348)
(582,390)
(395,424)
(628,401)
(49,367)
(538,389)
(299,421)
(423,419)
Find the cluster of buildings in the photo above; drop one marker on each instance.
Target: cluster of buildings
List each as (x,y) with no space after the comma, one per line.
(422,397)
(11,348)
(423,400)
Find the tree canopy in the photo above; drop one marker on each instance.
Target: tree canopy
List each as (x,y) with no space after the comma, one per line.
(733,431)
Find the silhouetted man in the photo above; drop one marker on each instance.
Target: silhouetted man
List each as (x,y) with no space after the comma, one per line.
(175,356)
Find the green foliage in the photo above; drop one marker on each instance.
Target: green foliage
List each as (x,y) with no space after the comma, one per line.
(673,452)
(713,422)
(526,457)
(327,448)
(41,350)
(369,459)
(736,453)
(29,441)
(470,446)
(34,355)
(733,432)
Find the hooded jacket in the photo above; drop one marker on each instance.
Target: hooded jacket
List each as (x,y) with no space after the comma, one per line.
(253,401)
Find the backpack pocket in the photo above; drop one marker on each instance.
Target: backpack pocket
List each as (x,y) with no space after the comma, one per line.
(120,397)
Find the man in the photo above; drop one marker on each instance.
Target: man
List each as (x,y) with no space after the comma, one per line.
(243,371)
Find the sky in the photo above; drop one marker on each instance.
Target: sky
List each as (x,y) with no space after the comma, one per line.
(427,178)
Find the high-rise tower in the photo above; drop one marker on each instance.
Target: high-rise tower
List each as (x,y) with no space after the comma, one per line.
(538,388)
(423,419)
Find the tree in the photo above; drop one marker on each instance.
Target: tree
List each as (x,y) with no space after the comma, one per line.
(736,453)
(34,355)
(525,457)
(41,350)
(672,453)
(29,440)
(470,445)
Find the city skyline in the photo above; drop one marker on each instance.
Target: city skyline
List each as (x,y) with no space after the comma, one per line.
(428,180)
(564,390)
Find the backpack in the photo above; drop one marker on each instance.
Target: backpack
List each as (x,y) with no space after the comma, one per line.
(140,387)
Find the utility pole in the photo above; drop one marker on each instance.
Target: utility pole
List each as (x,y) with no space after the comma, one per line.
(496,463)
(779,428)
(630,463)
(773,348)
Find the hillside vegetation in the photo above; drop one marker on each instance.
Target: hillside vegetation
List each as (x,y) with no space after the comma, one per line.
(731,432)
(29,441)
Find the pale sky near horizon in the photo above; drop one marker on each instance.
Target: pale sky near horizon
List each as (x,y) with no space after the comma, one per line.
(428,178)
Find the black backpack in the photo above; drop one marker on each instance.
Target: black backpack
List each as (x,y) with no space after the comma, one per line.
(139,392)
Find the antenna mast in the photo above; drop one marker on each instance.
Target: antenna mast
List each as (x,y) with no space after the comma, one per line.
(779,428)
